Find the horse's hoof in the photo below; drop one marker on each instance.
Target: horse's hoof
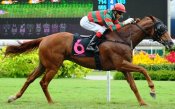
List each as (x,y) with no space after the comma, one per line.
(143,104)
(50,102)
(153,94)
(11,99)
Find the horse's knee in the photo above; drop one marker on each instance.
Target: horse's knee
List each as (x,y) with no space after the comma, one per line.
(141,69)
(43,84)
(30,80)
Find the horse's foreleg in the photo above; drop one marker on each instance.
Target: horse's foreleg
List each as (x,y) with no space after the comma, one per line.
(36,73)
(133,86)
(129,67)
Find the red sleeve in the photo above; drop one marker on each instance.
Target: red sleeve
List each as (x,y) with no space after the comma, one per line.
(116,22)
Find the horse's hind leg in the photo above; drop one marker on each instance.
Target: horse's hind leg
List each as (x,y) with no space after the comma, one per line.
(36,73)
(51,70)
(133,86)
(45,82)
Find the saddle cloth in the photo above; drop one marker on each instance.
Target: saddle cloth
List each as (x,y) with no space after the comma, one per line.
(80,42)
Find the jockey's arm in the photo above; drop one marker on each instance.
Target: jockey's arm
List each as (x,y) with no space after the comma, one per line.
(110,24)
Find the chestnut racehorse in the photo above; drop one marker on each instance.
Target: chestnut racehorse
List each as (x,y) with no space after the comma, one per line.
(115,54)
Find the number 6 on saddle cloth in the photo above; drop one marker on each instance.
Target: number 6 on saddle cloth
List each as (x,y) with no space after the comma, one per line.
(80,42)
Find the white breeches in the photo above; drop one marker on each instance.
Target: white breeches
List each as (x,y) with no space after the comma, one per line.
(91,26)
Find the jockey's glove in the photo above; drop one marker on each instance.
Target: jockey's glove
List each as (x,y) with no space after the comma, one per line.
(128,21)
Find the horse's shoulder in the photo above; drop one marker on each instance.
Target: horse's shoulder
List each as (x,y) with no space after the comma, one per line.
(105,46)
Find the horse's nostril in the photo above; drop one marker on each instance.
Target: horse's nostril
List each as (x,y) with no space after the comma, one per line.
(171,43)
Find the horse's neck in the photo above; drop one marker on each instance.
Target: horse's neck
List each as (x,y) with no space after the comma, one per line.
(136,38)
(130,35)
(137,35)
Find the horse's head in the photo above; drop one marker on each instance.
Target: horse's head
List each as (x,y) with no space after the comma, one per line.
(147,27)
(157,30)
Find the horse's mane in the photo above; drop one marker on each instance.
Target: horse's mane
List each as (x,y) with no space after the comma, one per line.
(138,20)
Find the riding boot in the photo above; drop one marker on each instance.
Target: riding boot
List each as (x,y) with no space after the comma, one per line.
(92,44)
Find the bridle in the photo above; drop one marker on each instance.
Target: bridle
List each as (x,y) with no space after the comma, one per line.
(159,30)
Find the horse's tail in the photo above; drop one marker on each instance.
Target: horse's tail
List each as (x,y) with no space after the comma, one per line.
(24,47)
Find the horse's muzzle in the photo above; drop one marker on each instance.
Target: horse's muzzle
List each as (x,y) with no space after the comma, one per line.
(169,44)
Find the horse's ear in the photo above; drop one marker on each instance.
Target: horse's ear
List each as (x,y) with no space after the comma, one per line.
(153,18)
(137,20)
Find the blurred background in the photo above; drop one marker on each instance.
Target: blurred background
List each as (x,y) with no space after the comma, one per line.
(172,13)
(29,19)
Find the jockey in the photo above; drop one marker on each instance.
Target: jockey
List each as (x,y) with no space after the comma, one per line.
(96,21)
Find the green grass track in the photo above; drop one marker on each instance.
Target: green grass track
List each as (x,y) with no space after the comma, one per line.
(86,94)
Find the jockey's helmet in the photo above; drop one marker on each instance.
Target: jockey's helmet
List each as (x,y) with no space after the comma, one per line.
(119,7)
